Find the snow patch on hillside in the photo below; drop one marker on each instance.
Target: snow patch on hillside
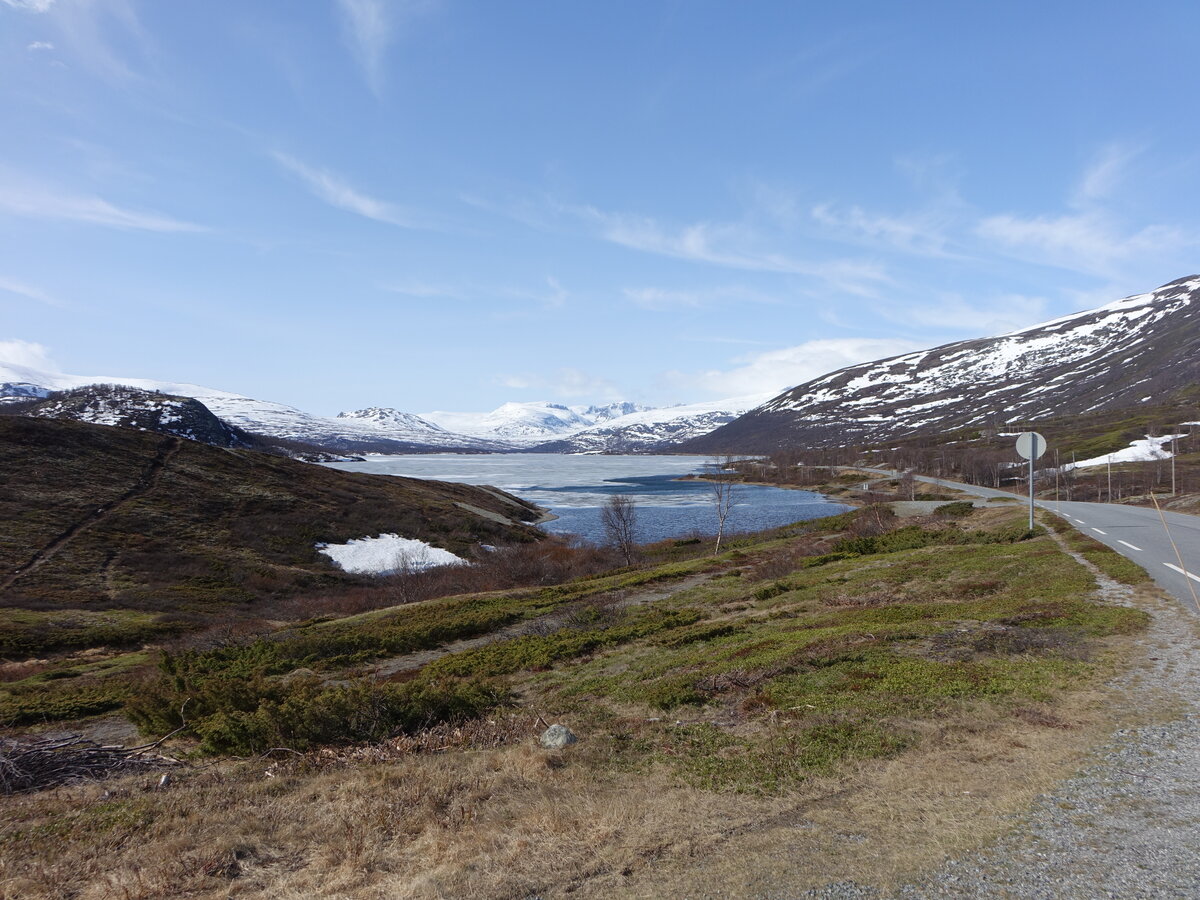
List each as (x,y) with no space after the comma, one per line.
(388,554)
(1146,450)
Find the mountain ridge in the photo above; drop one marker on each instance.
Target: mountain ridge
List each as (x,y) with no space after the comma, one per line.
(1129,351)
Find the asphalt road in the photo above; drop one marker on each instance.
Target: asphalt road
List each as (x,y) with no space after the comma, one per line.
(1133,531)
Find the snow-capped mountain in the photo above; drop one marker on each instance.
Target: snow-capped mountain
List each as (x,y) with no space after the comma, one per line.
(649,430)
(518,423)
(598,414)
(532,424)
(144,410)
(1137,349)
(387,419)
(20,391)
(344,433)
(272,420)
(623,427)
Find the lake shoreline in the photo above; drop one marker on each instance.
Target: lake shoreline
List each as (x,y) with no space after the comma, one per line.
(572,489)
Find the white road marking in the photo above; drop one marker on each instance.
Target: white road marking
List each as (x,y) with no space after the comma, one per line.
(1181,572)
(1098,531)
(1129,545)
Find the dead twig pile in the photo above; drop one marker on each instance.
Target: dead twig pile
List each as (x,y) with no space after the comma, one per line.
(473,734)
(35,765)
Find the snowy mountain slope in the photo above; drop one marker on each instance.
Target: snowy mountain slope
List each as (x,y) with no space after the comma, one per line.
(144,410)
(385,418)
(649,430)
(524,423)
(366,434)
(20,391)
(346,433)
(597,414)
(13,376)
(1136,349)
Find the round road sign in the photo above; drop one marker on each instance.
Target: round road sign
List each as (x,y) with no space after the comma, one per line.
(1031,445)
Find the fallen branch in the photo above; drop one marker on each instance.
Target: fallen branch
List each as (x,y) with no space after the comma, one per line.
(36,765)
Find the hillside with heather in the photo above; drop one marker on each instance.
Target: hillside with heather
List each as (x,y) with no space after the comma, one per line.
(111,518)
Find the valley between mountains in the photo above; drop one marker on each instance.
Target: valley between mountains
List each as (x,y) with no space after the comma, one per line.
(200,696)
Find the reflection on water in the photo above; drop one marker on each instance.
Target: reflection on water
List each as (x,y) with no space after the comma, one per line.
(575,487)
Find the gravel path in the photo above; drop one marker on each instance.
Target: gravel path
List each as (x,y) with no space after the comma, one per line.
(1126,825)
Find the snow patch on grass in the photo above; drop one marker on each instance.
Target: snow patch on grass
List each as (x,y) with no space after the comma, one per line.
(386,554)
(1138,451)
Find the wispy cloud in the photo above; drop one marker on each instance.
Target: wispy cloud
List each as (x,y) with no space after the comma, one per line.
(21,197)
(336,191)
(661,299)
(1104,174)
(733,245)
(1089,242)
(1092,238)
(35,6)
(527,299)
(101,37)
(565,384)
(16,352)
(557,296)
(8,286)
(423,290)
(953,313)
(370,26)
(774,371)
(924,233)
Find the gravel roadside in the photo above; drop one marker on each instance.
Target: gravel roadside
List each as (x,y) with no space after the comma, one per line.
(1127,824)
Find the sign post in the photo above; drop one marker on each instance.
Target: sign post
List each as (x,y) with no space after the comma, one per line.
(1031,445)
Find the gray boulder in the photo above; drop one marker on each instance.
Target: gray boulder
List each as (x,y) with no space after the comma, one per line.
(556,737)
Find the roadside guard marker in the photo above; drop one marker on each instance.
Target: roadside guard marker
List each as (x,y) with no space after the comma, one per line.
(1031,445)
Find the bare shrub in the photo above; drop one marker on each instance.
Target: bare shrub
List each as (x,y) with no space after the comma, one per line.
(619,518)
(865,600)
(600,612)
(872,521)
(723,497)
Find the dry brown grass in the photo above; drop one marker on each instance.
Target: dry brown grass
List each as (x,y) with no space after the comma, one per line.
(480,811)
(493,823)
(514,821)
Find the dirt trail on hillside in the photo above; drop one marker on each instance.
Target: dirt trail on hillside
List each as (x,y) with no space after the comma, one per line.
(145,482)
(546,624)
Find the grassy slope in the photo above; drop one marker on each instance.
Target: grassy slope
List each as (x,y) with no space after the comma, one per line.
(216,531)
(760,674)
(1086,436)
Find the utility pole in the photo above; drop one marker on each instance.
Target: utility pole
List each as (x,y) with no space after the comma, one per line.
(1108,460)
(1173,460)
(1057,501)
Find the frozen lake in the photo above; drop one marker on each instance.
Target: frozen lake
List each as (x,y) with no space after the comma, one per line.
(575,487)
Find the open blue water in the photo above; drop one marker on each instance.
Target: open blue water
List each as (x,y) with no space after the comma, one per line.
(575,487)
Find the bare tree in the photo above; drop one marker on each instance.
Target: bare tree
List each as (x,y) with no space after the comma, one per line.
(619,518)
(723,495)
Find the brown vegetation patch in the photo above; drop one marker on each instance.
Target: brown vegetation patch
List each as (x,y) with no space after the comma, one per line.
(859,599)
(972,640)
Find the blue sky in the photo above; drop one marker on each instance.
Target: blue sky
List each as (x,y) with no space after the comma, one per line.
(437,204)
